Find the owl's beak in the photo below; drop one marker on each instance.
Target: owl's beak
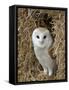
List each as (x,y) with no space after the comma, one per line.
(41,42)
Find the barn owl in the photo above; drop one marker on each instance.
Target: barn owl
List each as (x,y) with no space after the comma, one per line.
(42,41)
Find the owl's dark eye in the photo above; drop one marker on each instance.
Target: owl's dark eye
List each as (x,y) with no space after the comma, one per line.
(44,37)
(37,36)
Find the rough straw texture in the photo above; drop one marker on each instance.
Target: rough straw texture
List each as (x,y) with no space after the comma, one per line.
(29,69)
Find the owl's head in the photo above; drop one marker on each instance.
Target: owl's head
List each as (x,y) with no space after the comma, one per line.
(41,38)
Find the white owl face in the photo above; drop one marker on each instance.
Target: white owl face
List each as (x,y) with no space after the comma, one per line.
(41,38)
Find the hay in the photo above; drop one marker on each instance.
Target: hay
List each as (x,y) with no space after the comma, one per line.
(29,68)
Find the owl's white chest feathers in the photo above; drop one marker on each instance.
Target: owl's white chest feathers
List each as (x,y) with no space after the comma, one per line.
(43,57)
